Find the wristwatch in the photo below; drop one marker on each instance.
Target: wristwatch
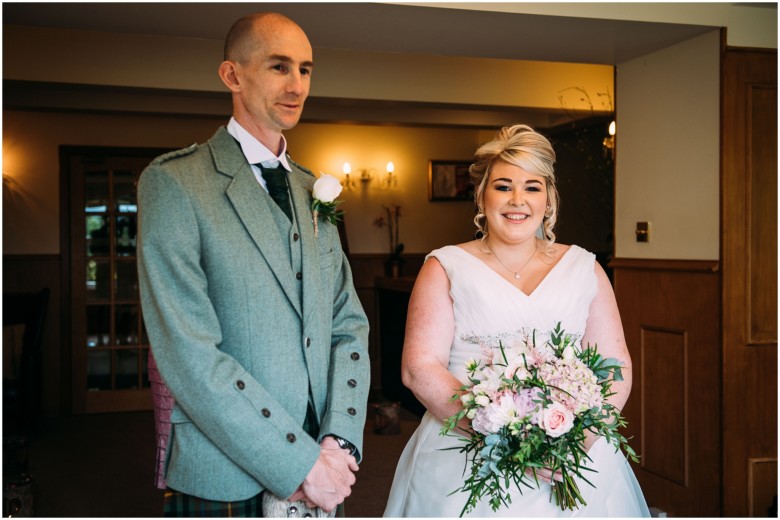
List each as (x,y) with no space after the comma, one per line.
(345,445)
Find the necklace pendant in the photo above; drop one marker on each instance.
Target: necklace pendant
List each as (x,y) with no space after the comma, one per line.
(517,276)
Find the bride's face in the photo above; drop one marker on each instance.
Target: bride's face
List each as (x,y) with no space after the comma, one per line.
(515,202)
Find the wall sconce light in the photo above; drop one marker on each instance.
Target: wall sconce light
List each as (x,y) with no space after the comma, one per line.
(390,179)
(609,141)
(348,183)
(366,175)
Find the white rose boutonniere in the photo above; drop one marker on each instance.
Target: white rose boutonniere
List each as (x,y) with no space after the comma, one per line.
(325,191)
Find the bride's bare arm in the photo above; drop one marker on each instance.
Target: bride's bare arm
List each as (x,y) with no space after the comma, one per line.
(605,329)
(430,328)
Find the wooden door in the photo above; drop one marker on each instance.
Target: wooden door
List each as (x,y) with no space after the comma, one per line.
(104,326)
(749,282)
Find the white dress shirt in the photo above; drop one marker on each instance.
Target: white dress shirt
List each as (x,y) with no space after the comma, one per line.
(256,152)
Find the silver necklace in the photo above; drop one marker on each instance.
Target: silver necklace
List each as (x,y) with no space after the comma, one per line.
(516,274)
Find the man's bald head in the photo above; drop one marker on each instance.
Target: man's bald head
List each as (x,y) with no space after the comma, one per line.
(252,31)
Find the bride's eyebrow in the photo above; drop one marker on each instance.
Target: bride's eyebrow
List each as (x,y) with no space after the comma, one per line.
(503,179)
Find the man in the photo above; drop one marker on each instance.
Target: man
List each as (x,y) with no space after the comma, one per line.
(252,318)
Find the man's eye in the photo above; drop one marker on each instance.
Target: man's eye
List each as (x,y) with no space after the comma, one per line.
(305,72)
(280,67)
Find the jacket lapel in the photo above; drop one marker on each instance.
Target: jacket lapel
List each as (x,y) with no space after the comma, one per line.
(251,203)
(300,189)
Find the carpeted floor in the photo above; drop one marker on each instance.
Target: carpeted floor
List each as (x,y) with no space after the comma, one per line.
(102,466)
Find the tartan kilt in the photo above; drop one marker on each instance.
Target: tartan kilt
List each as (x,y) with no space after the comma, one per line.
(177,504)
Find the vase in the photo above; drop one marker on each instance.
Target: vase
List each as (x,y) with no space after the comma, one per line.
(393,268)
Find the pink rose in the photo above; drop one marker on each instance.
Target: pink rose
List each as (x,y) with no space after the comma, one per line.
(556,420)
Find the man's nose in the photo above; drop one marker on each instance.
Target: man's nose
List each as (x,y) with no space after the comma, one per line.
(295,83)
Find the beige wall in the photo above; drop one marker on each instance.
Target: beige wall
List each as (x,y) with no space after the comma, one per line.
(424,225)
(668,151)
(31,143)
(96,58)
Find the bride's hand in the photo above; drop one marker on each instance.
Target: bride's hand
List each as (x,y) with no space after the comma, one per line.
(545,475)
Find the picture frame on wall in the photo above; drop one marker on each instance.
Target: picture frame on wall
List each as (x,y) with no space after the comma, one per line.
(449,181)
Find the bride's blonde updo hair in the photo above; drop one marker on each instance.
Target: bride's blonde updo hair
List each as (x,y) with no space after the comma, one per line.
(521,146)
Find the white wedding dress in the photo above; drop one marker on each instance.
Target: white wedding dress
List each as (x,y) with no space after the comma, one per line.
(486,305)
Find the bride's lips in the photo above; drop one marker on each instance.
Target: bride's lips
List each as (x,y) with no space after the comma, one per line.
(516,217)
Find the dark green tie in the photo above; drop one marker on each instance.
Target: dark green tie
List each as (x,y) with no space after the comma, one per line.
(276,182)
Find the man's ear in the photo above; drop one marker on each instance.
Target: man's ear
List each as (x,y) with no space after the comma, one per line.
(229,75)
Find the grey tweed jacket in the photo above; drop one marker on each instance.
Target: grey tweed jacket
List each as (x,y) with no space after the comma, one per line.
(238,338)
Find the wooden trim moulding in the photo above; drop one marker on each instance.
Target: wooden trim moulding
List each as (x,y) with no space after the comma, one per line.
(650,264)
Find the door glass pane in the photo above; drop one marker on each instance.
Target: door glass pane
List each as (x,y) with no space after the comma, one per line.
(98,326)
(127,325)
(126,234)
(124,192)
(127,368)
(126,281)
(98,280)
(99,370)
(97,235)
(96,192)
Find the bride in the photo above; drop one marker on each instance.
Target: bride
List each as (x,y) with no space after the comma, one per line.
(515,276)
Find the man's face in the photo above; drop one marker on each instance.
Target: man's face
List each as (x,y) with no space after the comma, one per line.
(275,80)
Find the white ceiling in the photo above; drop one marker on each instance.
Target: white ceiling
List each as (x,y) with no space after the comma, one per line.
(381,27)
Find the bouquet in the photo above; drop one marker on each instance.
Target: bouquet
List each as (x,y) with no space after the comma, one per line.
(531,402)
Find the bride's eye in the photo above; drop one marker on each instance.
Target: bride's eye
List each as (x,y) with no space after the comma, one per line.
(503,187)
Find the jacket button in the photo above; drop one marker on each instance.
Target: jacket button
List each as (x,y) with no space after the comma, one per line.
(355,356)
(295,237)
(352,383)
(298,276)
(290,437)
(308,342)
(240,384)
(266,412)
(351,411)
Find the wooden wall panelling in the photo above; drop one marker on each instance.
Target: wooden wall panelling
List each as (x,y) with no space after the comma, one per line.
(366,268)
(670,312)
(749,266)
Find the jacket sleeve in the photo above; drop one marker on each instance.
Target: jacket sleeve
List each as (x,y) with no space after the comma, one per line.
(349,377)
(217,394)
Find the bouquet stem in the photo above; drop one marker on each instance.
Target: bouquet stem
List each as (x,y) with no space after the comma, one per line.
(567,494)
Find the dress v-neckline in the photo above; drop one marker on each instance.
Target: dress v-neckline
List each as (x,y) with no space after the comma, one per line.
(513,286)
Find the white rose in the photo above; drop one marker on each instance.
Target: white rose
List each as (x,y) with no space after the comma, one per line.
(522,374)
(568,353)
(556,420)
(482,400)
(471,413)
(326,188)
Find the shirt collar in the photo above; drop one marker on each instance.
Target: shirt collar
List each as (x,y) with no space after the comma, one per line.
(255,151)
